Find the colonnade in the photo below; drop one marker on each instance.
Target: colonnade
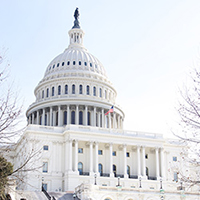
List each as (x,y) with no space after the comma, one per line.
(71,164)
(76,114)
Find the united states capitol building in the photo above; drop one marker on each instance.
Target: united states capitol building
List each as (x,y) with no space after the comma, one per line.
(84,152)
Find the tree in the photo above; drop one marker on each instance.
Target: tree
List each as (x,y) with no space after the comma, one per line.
(189,112)
(6,169)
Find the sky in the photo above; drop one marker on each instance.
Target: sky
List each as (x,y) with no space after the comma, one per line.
(147,47)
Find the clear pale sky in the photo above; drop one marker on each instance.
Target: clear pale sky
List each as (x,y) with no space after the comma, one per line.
(147,47)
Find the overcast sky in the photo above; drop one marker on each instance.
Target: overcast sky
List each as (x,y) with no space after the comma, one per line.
(147,48)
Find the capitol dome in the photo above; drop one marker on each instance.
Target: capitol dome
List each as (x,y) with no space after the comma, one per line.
(75,90)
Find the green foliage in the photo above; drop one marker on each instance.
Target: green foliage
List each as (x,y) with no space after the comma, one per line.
(6,169)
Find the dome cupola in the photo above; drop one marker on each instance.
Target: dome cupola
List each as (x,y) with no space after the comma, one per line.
(75,89)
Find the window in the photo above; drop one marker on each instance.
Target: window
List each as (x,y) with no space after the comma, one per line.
(58,65)
(73,89)
(100,92)
(105,94)
(42,93)
(45,120)
(46,147)
(81,118)
(66,89)
(100,152)
(63,63)
(127,154)
(47,92)
(68,63)
(79,62)
(53,66)
(88,118)
(147,171)
(73,117)
(80,150)
(114,153)
(56,118)
(100,169)
(90,64)
(59,90)
(85,64)
(80,89)
(65,118)
(128,170)
(94,91)
(44,186)
(146,156)
(45,167)
(176,176)
(88,90)
(74,62)
(114,170)
(52,92)
(174,158)
(80,168)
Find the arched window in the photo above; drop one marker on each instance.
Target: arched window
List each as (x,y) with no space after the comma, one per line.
(73,117)
(80,168)
(63,63)
(65,117)
(88,90)
(89,122)
(105,94)
(100,92)
(52,91)
(97,119)
(80,89)
(100,169)
(66,89)
(94,91)
(79,62)
(47,92)
(42,93)
(114,170)
(73,89)
(74,62)
(81,118)
(128,170)
(56,118)
(147,171)
(59,90)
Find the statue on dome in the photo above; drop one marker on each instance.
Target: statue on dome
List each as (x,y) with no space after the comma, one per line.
(76,16)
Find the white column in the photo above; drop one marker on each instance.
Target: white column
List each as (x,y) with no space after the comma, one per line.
(68,112)
(91,158)
(157,163)
(122,123)
(43,116)
(94,124)
(29,119)
(99,119)
(138,161)
(125,161)
(86,110)
(66,156)
(143,162)
(54,118)
(96,156)
(162,163)
(76,156)
(109,120)
(38,117)
(114,120)
(111,160)
(33,116)
(47,118)
(59,115)
(103,118)
(70,155)
(77,115)
(51,111)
